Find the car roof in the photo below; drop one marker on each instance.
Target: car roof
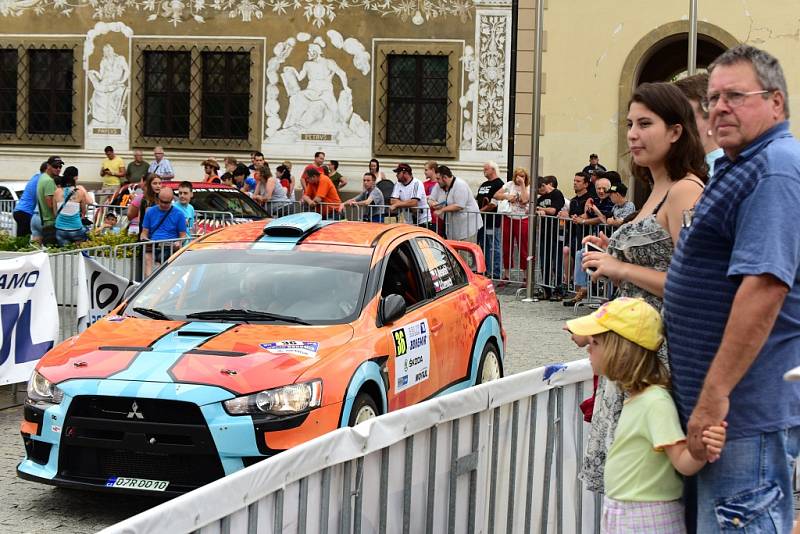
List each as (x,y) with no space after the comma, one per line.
(15,185)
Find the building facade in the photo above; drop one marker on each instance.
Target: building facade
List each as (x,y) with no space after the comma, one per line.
(595,53)
(399,80)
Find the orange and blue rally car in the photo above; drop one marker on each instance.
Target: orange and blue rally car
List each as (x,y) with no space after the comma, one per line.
(254,339)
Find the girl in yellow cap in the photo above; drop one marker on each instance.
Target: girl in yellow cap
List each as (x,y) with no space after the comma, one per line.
(643,486)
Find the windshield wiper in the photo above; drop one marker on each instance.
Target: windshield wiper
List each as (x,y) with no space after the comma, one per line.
(243,315)
(152,314)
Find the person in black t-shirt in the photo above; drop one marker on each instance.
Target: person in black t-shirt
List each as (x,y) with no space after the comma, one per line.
(548,204)
(594,166)
(490,236)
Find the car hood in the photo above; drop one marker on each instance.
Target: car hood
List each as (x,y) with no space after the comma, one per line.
(241,358)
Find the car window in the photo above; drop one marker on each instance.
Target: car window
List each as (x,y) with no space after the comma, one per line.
(402,276)
(440,267)
(230,201)
(5,194)
(316,287)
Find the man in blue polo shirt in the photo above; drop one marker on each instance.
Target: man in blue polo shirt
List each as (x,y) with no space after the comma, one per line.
(26,205)
(167,222)
(732,301)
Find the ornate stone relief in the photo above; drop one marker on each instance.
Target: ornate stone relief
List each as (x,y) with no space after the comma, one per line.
(316,112)
(108,87)
(491,102)
(317,12)
(467,100)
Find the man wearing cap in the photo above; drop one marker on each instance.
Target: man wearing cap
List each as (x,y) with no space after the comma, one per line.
(44,231)
(112,169)
(161,166)
(458,208)
(321,194)
(594,166)
(409,193)
(623,208)
(732,301)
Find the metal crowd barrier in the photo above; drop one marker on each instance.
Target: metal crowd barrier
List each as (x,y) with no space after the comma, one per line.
(7,222)
(500,457)
(208,221)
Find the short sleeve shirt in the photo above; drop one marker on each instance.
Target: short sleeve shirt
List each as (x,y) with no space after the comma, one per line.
(466,222)
(577,204)
(174,223)
(161,168)
(486,192)
(115,166)
(637,467)
(188,213)
(625,210)
(553,199)
(413,190)
(743,225)
(27,202)
(136,172)
(324,189)
(375,196)
(45,188)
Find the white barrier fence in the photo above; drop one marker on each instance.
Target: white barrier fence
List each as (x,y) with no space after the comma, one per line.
(501,457)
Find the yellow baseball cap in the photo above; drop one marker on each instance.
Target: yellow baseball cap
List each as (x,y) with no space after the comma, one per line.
(633,319)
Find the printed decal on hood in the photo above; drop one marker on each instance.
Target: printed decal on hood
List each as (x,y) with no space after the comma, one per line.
(306,349)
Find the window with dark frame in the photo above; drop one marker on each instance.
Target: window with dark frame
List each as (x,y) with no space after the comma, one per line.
(167,84)
(50,91)
(225,105)
(9,64)
(417,99)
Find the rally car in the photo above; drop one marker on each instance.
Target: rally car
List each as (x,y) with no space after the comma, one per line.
(256,338)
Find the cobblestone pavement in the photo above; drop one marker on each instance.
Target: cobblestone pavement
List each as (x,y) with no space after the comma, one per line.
(534,339)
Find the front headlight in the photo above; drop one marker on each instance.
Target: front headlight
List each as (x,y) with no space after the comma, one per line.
(41,390)
(286,400)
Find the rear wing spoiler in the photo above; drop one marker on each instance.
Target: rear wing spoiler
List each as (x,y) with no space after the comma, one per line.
(471,254)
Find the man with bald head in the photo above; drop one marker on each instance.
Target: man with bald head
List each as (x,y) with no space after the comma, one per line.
(167,222)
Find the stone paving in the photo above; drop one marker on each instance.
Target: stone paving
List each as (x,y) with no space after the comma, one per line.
(534,339)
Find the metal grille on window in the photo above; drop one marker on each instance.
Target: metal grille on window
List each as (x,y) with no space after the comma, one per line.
(50,91)
(226,95)
(167,85)
(194,95)
(417,99)
(9,62)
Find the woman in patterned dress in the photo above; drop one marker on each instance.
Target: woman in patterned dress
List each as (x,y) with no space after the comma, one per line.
(666,152)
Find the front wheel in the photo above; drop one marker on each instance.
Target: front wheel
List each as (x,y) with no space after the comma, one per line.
(490,368)
(364,408)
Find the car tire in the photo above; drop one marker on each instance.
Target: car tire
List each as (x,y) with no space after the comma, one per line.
(364,408)
(490,367)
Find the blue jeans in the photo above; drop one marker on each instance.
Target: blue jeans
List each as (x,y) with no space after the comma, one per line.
(749,489)
(490,241)
(65,237)
(579,275)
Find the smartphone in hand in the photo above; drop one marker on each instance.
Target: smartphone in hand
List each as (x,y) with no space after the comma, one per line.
(591,247)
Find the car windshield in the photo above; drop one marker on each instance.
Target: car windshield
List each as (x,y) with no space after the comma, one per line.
(255,286)
(227,200)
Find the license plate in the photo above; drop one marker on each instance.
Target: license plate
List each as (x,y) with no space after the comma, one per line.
(137,483)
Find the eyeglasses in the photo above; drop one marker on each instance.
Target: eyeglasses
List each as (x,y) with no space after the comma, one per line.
(733,98)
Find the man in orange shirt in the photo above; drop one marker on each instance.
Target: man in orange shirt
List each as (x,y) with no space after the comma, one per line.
(321,195)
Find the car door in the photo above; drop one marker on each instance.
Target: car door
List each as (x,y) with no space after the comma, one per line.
(410,347)
(452,311)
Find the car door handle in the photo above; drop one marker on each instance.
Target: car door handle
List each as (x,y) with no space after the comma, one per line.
(436,325)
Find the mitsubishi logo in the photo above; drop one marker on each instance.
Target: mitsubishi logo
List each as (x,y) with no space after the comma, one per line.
(135,413)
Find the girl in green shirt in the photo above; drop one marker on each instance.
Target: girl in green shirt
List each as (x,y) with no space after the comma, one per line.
(643,486)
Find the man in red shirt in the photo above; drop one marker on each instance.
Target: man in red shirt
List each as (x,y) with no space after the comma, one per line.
(320,194)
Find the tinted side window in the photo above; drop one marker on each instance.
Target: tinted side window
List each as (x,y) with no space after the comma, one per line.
(439,267)
(5,194)
(402,276)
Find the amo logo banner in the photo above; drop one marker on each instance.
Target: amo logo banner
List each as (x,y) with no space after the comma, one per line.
(28,315)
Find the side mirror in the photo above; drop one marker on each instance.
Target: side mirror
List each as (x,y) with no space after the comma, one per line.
(392,308)
(130,291)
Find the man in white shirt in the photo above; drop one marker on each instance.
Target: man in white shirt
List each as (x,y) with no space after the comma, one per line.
(409,193)
(161,166)
(459,208)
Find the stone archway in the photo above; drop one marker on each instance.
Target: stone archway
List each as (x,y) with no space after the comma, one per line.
(660,56)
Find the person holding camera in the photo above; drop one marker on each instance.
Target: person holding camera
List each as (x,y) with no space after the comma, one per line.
(112,169)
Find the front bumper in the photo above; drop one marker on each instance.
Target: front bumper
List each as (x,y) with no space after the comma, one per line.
(176,432)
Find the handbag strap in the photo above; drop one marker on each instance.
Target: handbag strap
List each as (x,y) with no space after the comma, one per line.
(163,218)
(66,199)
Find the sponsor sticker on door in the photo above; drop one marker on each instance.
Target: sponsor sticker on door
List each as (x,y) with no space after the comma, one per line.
(412,354)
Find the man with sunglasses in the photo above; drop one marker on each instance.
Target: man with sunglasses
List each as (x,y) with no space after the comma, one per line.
(43,229)
(732,301)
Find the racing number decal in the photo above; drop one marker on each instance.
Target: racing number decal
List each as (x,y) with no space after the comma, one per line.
(412,354)
(399,342)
